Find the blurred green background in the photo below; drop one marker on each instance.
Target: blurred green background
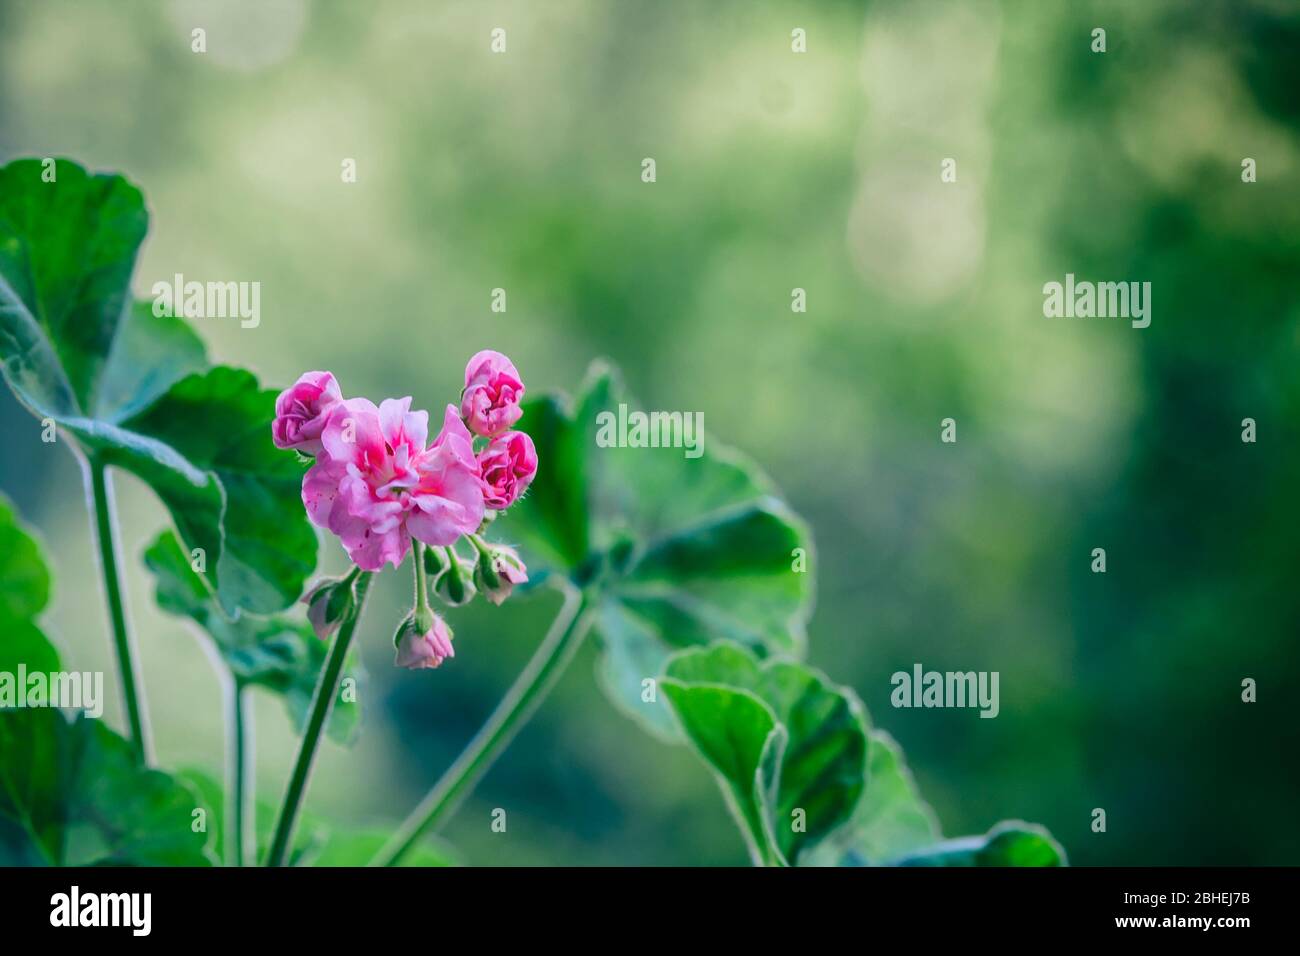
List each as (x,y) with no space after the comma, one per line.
(776,170)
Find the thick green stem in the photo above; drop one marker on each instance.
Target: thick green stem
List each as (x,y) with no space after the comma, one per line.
(239,829)
(99,491)
(322,703)
(529,690)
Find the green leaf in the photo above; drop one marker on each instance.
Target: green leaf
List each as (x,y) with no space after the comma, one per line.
(24,593)
(24,578)
(133,389)
(205,449)
(1010,843)
(150,355)
(893,826)
(789,748)
(891,818)
(554,522)
(67,251)
(894,818)
(248,509)
(738,736)
(683,550)
(278,652)
(72,794)
(22,642)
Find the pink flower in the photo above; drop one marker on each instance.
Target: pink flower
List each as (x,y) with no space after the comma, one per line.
(508,464)
(490,401)
(301,412)
(448,499)
(375,485)
(417,651)
(455,434)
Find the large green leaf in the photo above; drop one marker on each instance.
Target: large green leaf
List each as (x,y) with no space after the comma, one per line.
(552,520)
(24,592)
(680,551)
(789,748)
(24,578)
(23,642)
(891,818)
(893,826)
(781,738)
(73,794)
(205,448)
(277,652)
(71,791)
(150,354)
(133,389)
(67,251)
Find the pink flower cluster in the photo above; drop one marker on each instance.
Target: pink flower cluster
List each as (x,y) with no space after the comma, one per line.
(377,482)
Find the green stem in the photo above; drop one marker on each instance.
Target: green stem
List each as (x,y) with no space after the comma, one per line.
(239,830)
(529,690)
(99,492)
(322,703)
(421,583)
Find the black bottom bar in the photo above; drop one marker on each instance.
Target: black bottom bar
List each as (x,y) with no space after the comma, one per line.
(337,905)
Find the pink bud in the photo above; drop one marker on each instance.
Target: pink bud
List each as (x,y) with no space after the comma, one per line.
(301,411)
(497,573)
(416,651)
(508,465)
(493,390)
(328,603)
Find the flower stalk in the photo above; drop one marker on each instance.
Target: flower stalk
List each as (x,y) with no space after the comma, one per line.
(423,613)
(529,690)
(321,705)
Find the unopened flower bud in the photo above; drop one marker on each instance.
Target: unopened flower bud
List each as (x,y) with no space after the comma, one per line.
(328,603)
(498,570)
(419,649)
(451,576)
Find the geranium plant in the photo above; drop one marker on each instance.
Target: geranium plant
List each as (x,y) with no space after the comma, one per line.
(694,574)
(385,491)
